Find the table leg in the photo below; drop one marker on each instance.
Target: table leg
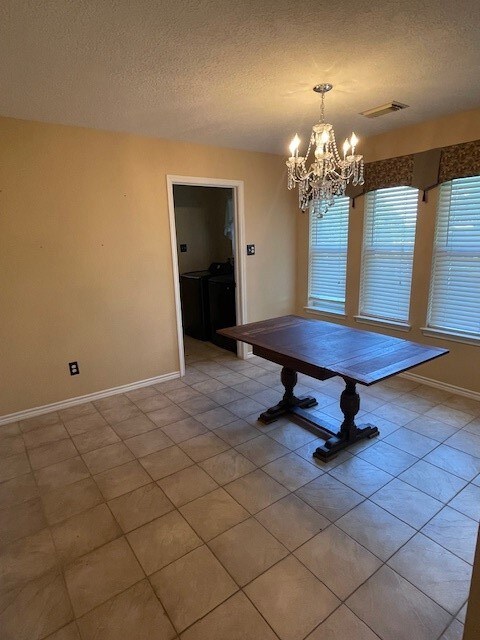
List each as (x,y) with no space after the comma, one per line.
(289,401)
(349,432)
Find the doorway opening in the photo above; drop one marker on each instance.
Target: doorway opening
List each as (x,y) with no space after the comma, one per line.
(206,226)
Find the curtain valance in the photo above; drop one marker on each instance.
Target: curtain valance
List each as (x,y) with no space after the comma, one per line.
(423,170)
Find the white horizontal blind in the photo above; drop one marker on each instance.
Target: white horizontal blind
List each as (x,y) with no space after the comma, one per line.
(387,258)
(454,302)
(328,258)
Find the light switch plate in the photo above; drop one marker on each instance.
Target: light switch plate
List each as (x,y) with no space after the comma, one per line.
(250,249)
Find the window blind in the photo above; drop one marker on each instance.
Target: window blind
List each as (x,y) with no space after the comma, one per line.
(387,257)
(454,301)
(328,258)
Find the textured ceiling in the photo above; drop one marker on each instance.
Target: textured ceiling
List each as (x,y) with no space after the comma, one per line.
(236,74)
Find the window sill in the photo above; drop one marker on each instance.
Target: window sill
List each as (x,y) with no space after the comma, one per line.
(448,335)
(325,314)
(387,324)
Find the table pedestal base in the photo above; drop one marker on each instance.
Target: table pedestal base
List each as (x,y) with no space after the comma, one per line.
(349,404)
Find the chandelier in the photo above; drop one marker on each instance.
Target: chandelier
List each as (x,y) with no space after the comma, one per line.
(328,174)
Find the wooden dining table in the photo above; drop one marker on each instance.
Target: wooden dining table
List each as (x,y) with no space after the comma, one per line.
(323,350)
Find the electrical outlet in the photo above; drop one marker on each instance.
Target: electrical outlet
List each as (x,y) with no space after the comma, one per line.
(250,249)
(74,370)
(183,248)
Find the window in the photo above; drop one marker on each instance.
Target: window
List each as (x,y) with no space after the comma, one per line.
(454,301)
(328,258)
(387,258)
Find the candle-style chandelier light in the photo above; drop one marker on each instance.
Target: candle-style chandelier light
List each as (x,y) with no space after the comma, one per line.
(328,175)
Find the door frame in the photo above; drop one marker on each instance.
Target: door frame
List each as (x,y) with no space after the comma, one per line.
(239,259)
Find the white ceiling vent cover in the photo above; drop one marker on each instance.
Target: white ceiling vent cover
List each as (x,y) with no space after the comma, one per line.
(376,112)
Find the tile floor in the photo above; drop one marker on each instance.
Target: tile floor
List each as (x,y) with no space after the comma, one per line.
(170,512)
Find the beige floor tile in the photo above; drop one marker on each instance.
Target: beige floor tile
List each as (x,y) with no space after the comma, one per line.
(13,466)
(165,416)
(107,457)
(411,442)
(91,440)
(85,423)
(435,571)
(395,413)
(183,393)
(225,396)
(205,446)
(245,406)
(256,490)
(454,631)
(192,586)
(110,402)
(343,624)
(376,529)
(142,392)
(414,403)
(262,450)
(460,464)
(227,466)
(77,411)
(186,485)
(437,483)
(194,406)
(101,574)
(213,513)
(361,476)
(140,506)
(468,502)
(154,402)
(36,609)
(247,550)
(64,502)
(18,490)
(449,415)
(162,541)
(465,441)
(134,427)
(291,599)
(61,474)
(43,420)
(114,415)
(237,432)
(184,429)
(120,480)
(292,471)
(163,463)
(51,453)
(338,561)
(388,458)
(217,417)
(26,559)
(135,614)
(235,619)
(329,497)
(21,520)
(70,632)
(292,521)
(44,435)
(169,385)
(454,531)
(431,428)
(148,442)
(10,443)
(84,532)
(407,503)
(411,614)
(292,435)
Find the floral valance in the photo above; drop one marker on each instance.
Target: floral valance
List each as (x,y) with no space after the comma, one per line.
(423,170)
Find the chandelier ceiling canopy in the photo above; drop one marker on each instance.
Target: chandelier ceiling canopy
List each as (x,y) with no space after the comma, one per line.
(329,173)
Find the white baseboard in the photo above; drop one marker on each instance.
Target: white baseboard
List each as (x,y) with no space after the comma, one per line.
(451,388)
(97,395)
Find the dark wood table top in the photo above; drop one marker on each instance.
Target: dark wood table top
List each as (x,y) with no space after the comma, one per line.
(314,346)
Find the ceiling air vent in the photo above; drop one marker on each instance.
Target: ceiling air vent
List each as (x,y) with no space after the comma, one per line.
(384,109)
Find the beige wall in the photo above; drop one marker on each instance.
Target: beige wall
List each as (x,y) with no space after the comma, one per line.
(461,366)
(85,257)
(200,223)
